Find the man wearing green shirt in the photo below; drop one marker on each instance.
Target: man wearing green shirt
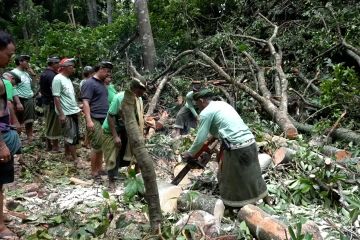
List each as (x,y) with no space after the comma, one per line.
(66,106)
(25,93)
(115,140)
(240,179)
(187,117)
(10,80)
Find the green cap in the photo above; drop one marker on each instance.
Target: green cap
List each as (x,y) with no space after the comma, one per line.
(204,93)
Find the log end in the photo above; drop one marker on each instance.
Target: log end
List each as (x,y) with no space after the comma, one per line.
(279,155)
(342,154)
(291,133)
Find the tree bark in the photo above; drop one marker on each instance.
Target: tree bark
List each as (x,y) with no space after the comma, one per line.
(22,8)
(149,52)
(144,160)
(109,10)
(92,12)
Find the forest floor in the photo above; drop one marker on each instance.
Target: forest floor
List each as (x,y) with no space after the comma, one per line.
(45,202)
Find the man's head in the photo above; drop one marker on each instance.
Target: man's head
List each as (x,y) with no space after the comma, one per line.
(196,86)
(12,77)
(88,71)
(103,70)
(138,87)
(7,48)
(202,98)
(67,66)
(53,62)
(22,61)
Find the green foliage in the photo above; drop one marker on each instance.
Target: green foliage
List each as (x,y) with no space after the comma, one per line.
(298,235)
(133,186)
(341,90)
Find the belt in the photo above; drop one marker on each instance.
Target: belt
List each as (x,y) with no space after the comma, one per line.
(243,144)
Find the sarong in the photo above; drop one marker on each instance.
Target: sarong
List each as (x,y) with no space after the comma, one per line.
(12,141)
(240,180)
(71,129)
(28,115)
(185,120)
(96,136)
(52,124)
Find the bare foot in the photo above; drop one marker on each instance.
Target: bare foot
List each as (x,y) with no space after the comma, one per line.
(6,233)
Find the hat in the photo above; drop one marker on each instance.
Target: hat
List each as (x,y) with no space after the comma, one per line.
(204,93)
(106,64)
(88,69)
(139,83)
(53,59)
(66,62)
(23,57)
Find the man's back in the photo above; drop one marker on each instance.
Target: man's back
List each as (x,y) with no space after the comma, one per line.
(46,79)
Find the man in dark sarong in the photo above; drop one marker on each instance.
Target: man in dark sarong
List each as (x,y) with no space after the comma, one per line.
(240,179)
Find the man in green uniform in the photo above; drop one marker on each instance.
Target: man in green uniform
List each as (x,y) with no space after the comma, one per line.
(115,146)
(240,180)
(187,117)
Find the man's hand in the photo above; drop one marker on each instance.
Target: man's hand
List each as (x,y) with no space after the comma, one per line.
(19,107)
(4,153)
(18,127)
(90,125)
(186,155)
(117,141)
(62,119)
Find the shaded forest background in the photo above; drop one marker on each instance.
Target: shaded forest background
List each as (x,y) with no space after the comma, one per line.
(313,39)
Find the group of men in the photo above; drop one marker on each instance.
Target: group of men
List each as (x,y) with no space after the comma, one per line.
(240,178)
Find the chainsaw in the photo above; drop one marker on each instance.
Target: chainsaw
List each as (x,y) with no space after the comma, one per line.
(198,161)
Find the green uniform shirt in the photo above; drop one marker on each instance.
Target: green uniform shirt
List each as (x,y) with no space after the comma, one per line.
(114,110)
(24,87)
(222,121)
(9,90)
(111,92)
(62,87)
(189,103)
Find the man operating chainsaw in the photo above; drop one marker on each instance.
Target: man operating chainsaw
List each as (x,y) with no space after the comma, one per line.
(240,179)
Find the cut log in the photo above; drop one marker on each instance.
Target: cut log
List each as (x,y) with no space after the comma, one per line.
(191,200)
(266,227)
(339,154)
(79,181)
(262,225)
(284,155)
(264,160)
(168,195)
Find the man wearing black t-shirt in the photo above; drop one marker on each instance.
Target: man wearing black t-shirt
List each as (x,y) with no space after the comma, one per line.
(52,123)
(95,107)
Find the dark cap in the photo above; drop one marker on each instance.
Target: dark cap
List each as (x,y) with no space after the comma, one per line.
(53,59)
(23,57)
(106,64)
(88,69)
(204,93)
(66,62)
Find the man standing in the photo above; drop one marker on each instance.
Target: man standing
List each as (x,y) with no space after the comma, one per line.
(9,139)
(10,80)
(95,107)
(25,94)
(66,107)
(115,141)
(52,123)
(240,180)
(187,117)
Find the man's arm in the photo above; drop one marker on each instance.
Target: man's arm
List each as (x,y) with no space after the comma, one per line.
(59,109)
(202,134)
(86,110)
(111,120)
(13,116)
(4,150)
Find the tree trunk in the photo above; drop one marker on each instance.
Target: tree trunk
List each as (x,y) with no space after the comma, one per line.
(109,10)
(191,200)
(22,8)
(145,33)
(92,12)
(143,158)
